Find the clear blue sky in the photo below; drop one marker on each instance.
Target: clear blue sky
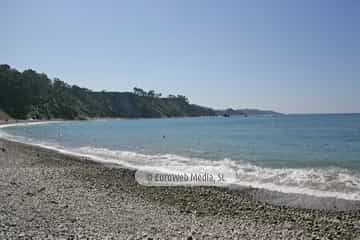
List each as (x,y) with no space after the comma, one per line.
(289,56)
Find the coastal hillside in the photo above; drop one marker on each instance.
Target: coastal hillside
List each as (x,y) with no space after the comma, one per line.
(246,112)
(4,115)
(29,94)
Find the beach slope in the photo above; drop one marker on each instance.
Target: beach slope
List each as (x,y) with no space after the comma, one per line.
(45,194)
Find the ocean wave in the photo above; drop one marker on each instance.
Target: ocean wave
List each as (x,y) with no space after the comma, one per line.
(321,182)
(24,124)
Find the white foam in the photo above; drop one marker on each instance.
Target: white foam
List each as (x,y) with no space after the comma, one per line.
(324,182)
(24,124)
(328,182)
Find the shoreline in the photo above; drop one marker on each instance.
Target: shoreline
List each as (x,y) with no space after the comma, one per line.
(48,194)
(266,195)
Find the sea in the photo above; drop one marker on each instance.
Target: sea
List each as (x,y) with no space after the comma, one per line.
(316,155)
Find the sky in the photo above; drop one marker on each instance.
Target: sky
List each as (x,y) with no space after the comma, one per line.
(288,56)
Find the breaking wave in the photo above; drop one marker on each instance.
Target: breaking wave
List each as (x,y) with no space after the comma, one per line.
(324,182)
(321,182)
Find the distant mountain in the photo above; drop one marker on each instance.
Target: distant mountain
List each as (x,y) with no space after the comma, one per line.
(29,94)
(246,112)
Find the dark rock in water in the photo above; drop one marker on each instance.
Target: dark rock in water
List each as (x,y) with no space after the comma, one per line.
(226,115)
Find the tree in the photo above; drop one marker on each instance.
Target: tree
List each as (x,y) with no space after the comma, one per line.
(183,98)
(4,67)
(29,94)
(60,84)
(139,92)
(151,93)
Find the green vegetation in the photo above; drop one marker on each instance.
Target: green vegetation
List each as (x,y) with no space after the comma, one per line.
(247,112)
(29,94)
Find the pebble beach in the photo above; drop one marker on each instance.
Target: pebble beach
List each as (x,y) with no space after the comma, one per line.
(49,195)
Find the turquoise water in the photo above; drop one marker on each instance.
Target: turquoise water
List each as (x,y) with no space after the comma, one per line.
(312,154)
